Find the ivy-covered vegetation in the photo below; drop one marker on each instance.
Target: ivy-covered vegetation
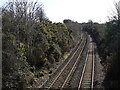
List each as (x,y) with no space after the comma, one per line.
(29,42)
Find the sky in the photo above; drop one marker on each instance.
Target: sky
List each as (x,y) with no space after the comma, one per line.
(77,10)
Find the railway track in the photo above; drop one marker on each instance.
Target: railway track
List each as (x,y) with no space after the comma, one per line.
(74,77)
(83,76)
(86,75)
(63,63)
(58,81)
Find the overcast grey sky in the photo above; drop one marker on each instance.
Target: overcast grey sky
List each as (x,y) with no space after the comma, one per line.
(78,10)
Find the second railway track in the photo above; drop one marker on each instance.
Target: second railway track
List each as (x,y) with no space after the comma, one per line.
(87,77)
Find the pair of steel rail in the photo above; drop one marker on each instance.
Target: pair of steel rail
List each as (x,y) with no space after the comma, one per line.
(72,69)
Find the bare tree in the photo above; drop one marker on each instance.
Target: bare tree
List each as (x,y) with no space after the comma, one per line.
(22,15)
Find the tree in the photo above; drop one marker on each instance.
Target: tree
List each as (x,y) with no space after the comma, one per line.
(18,19)
(111,49)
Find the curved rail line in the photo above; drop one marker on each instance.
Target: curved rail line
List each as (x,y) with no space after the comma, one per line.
(70,56)
(74,77)
(68,63)
(73,68)
(60,74)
